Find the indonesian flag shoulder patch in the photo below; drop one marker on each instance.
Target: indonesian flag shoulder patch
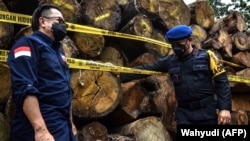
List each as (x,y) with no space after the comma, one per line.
(22,51)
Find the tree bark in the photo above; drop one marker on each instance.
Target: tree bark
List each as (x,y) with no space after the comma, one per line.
(5,83)
(4,129)
(7,29)
(70,9)
(101,14)
(89,45)
(146,129)
(174,12)
(93,131)
(202,14)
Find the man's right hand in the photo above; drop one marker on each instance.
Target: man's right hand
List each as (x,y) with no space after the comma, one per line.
(42,134)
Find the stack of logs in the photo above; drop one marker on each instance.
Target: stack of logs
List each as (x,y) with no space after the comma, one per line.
(141,110)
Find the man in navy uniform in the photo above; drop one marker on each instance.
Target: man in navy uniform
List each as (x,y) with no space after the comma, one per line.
(201,85)
(41,81)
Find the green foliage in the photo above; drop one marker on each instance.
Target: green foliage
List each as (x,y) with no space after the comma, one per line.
(222,9)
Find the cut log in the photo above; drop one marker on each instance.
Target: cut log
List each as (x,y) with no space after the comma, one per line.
(93,96)
(114,55)
(174,12)
(101,14)
(147,7)
(225,42)
(218,25)
(25,31)
(122,3)
(118,137)
(241,23)
(248,114)
(199,32)
(7,29)
(220,40)
(69,8)
(136,101)
(93,131)
(10,110)
(161,91)
(69,47)
(248,40)
(119,117)
(145,58)
(89,45)
(240,40)
(146,129)
(235,22)
(241,58)
(140,25)
(240,101)
(197,42)
(199,35)
(4,129)
(156,49)
(19,6)
(239,117)
(231,23)
(5,83)
(140,7)
(202,14)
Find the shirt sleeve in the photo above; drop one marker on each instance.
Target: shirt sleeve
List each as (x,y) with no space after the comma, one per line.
(159,65)
(23,67)
(221,82)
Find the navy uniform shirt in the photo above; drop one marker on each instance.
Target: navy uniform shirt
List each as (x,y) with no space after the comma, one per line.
(38,67)
(196,78)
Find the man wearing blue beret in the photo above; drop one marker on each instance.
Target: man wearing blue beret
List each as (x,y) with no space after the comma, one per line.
(201,85)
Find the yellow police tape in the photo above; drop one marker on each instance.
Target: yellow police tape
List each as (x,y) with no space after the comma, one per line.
(16,18)
(93,65)
(10,17)
(22,19)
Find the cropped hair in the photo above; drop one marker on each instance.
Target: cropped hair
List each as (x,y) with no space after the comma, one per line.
(41,9)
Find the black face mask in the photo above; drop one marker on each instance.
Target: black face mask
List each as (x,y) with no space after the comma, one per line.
(179,50)
(59,31)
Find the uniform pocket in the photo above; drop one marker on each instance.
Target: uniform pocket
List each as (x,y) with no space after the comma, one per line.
(200,69)
(175,74)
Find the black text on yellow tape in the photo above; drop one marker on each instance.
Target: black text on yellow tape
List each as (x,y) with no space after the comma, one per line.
(92,65)
(3,55)
(232,64)
(15,18)
(240,79)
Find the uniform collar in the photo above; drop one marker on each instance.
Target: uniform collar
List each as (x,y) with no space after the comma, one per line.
(187,56)
(48,40)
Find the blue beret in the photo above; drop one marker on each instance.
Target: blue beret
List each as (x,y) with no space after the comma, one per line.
(179,32)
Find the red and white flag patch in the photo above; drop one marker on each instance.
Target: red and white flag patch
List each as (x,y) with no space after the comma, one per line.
(22,51)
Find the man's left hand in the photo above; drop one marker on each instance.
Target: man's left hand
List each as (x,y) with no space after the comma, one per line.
(224,117)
